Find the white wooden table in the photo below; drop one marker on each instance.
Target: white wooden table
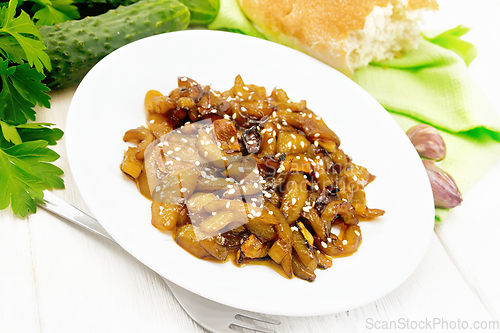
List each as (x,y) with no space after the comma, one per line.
(56,277)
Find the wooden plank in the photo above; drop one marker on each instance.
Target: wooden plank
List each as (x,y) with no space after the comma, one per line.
(18,289)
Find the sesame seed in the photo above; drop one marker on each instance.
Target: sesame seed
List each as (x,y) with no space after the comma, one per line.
(234,115)
(344,242)
(316,187)
(232,139)
(293,136)
(310,115)
(298,157)
(183,79)
(271,212)
(244,109)
(231,191)
(316,135)
(289,144)
(294,228)
(177,148)
(316,174)
(205,153)
(294,201)
(214,213)
(302,144)
(278,126)
(197,162)
(228,204)
(184,140)
(183,189)
(323,244)
(270,140)
(316,143)
(170,152)
(357,233)
(240,169)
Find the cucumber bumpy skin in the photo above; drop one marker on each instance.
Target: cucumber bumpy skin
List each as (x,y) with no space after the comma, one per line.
(202,11)
(74,47)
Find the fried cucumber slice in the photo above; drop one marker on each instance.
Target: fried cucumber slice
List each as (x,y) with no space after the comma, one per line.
(254,248)
(186,237)
(300,270)
(217,251)
(164,215)
(303,250)
(294,196)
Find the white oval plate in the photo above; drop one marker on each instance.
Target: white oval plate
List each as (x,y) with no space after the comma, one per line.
(109,101)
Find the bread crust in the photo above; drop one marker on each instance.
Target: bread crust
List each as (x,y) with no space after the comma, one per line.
(316,27)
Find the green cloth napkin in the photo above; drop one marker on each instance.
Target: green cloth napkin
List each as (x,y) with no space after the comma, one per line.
(431,85)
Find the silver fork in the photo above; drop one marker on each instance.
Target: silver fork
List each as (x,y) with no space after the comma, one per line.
(213,316)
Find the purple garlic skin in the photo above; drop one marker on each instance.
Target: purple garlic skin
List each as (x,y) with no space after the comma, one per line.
(427,141)
(445,190)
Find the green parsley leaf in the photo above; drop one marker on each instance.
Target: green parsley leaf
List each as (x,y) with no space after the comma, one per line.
(39,131)
(16,134)
(26,34)
(21,91)
(54,11)
(10,49)
(25,174)
(10,133)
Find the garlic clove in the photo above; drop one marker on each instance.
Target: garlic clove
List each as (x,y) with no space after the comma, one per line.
(427,141)
(445,190)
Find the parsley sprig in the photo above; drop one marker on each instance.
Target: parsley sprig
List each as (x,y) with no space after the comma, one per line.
(25,160)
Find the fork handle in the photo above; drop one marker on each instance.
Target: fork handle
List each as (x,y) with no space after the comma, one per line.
(63,209)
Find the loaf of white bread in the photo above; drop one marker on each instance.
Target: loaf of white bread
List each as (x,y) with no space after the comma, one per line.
(345,34)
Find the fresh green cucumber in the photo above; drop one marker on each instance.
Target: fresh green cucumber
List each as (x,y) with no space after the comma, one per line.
(202,11)
(74,47)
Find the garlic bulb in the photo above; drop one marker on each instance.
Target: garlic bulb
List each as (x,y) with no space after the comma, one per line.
(445,190)
(427,141)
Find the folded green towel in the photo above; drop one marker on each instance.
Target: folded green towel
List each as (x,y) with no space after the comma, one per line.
(429,85)
(433,85)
